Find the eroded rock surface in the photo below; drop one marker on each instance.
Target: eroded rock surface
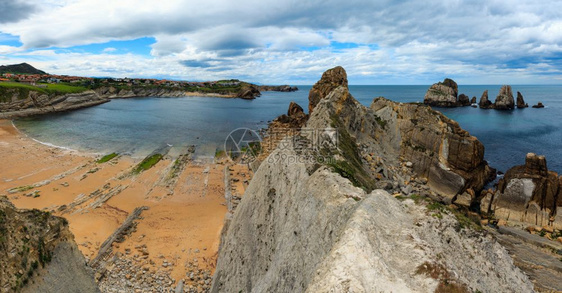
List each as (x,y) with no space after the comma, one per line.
(330,80)
(530,194)
(485,101)
(504,100)
(442,94)
(38,254)
(311,225)
(521,102)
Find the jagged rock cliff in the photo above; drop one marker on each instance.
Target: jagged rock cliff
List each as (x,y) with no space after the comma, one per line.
(331,79)
(312,219)
(34,103)
(530,193)
(38,254)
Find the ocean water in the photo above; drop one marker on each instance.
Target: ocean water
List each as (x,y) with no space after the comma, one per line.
(138,126)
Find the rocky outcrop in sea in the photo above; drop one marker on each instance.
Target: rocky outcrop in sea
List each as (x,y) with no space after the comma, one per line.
(521,102)
(485,102)
(504,100)
(318,217)
(528,194)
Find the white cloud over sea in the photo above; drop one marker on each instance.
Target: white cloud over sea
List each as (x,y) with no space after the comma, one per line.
(378,42)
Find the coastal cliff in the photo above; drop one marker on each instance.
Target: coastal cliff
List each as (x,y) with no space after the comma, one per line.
(38,254)
(35,103)
(315,219)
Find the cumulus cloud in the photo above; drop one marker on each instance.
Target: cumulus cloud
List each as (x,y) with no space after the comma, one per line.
(391,41)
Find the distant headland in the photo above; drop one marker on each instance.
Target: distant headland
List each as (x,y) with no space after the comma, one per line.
(26,91)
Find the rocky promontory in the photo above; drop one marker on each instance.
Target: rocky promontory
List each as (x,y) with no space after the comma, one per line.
(318,217)
(36,103)
(278,88)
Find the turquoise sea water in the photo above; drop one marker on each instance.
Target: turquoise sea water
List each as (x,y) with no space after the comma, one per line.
(140,125)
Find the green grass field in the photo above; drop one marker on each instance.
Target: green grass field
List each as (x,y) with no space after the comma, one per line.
(44,88)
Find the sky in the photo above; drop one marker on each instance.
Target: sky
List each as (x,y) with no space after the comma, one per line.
(289,41)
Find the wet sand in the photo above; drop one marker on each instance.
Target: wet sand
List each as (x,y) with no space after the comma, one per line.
(181,226)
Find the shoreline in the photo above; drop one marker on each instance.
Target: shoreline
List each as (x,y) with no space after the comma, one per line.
(178,235)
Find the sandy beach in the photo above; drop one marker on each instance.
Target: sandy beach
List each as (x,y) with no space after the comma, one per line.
(178,232)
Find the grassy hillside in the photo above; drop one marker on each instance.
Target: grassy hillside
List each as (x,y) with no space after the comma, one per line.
(7,90)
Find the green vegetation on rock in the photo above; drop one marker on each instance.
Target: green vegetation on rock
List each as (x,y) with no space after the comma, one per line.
(107,158)
(147,163)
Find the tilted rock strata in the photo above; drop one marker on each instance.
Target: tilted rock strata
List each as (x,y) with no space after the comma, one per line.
(38,253)
(303,230)
(301,227)
(36,103)
(530,194)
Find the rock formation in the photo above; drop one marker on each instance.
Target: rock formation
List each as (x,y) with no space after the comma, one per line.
(485,102)
(530,194)
(248,92)
(38,254)
(504,100)
(33,103)
(317,223)
(442,94)
(538,105)
(463,100)
(278,88)
(473,100)
(521,102)
(330,80)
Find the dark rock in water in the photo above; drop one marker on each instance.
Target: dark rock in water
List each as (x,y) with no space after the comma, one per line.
(520,101)
(248,92)
(295,118)
(278,88)
(539,105)
(485,102)
(294,110)
(442,94)
(463,100)
(530,194)
(505,101)
(473,100)
(330,80)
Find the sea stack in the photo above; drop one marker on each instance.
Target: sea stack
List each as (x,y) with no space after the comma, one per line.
(442,94)
(463,100)
(473,100)
(521,102)
(505,101)
(485,102)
